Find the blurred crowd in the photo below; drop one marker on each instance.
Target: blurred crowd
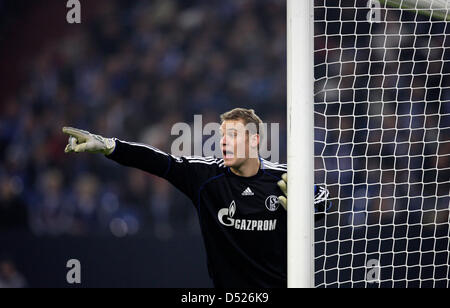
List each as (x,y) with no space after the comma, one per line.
(131,71)
(135,68)
(382,132)
(383,114)
(10,277)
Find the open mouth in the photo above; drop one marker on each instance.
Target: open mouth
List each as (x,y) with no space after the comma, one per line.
(227,154)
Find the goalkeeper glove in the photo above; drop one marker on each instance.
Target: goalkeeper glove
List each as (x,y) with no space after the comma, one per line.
(321,202)
(283,186)
(83,141)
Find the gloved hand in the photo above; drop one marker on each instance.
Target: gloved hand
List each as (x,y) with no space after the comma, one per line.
(83,141)
(283,185)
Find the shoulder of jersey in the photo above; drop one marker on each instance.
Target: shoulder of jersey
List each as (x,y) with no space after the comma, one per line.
(212,161)
(274,166)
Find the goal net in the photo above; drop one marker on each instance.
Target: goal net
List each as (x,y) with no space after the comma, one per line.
(382,142)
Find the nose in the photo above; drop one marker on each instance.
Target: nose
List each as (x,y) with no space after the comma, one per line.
(223,141)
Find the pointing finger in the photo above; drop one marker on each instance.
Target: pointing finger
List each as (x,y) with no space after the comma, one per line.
(79,134)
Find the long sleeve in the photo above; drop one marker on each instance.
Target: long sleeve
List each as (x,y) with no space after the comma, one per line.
(186,173)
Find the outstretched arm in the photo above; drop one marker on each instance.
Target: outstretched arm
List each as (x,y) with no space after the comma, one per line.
(185,173)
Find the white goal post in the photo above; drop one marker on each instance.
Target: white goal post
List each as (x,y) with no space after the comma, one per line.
(368,94)
(300,136)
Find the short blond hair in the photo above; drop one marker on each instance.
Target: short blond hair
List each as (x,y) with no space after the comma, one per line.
(248,116)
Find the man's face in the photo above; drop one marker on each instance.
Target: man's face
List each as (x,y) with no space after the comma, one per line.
(237,143)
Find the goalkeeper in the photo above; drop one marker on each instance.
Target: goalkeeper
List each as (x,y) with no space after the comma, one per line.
(237,198)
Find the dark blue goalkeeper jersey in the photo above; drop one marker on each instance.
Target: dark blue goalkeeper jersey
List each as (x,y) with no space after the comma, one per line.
(244,227)
(242,223)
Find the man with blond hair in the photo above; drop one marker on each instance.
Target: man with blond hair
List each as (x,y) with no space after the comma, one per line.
(240,198)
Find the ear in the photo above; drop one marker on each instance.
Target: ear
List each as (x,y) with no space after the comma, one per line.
(254,140)
(253,146)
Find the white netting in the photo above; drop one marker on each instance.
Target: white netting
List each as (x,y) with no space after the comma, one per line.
(382,143)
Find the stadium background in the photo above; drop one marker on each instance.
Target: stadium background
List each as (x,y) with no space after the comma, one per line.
(382,145)
(130,70)
(133,69)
